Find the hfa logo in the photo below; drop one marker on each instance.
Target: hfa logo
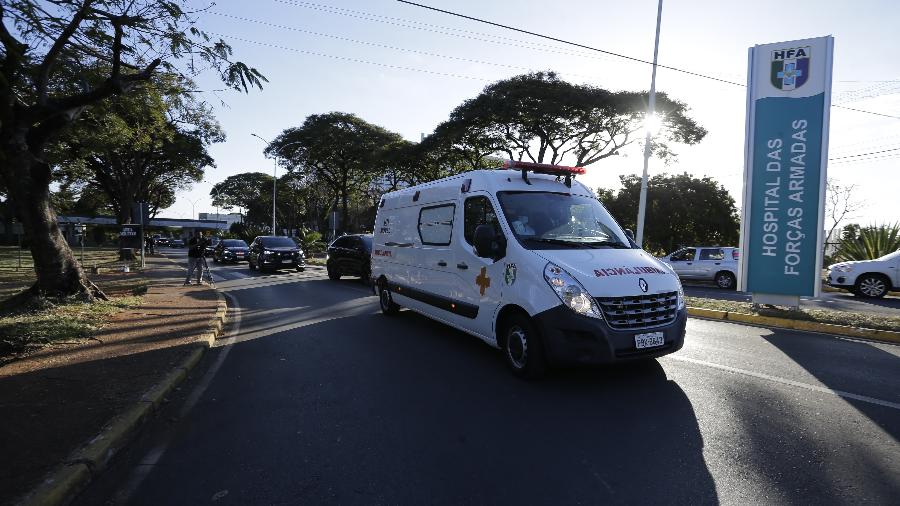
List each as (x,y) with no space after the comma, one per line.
(790,67)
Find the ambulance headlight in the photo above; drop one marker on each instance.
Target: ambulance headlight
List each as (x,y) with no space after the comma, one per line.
(570,291)
(680,296)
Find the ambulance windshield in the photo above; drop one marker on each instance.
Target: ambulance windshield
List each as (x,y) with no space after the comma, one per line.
(545,220)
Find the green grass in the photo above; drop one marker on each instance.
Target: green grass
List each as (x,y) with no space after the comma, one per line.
(861,320)
(10,261)
(65,322)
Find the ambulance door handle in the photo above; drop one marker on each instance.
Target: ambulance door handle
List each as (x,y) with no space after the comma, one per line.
(718,263)
(442,263)
(462,266)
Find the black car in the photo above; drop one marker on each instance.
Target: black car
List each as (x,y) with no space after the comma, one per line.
(211,243)
(270,252)
(350,255)
(230,250)
(176,243)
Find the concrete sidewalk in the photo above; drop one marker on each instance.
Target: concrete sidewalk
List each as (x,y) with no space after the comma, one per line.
(68,408)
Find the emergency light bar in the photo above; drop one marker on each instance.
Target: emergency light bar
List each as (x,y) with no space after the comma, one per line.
(544,168)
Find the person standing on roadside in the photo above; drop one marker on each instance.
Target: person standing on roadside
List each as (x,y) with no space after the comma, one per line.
(196,249)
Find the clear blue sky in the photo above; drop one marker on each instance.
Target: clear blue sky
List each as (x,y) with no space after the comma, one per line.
(333,55)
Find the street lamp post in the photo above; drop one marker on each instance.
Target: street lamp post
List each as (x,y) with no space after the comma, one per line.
(274,176)
(651,108)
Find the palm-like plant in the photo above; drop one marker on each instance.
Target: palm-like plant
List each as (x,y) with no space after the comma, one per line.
(869,243)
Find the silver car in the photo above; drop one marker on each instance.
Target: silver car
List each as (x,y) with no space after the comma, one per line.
(706,263)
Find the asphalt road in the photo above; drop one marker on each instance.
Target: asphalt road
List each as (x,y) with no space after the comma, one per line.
(837,301)
(314,397)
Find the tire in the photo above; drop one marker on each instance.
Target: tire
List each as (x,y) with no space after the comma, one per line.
(366,275)
(522,348)
(388,306)
(726,280)
(333,274)
(872,286)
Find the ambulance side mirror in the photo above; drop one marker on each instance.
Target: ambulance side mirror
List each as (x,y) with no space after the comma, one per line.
(629,234)
(488,244)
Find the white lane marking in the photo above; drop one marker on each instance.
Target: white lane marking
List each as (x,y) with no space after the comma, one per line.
(146,464)
(783,381)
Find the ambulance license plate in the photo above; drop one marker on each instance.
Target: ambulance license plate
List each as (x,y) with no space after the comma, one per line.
(649,340)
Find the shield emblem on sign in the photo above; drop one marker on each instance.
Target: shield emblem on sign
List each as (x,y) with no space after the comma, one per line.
(790,67)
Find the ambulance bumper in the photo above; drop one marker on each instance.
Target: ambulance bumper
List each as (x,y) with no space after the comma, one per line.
(570,338)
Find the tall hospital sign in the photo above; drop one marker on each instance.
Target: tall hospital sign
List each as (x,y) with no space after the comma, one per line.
(788,103)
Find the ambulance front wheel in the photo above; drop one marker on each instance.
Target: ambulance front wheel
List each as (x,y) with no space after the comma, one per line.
(522,347)
(388,306)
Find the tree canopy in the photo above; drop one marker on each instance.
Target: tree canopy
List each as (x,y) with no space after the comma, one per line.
(140,147)
(49,56)
(336,149)
(541,118)
(682,210)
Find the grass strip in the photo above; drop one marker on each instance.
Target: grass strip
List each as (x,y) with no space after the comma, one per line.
(852,319)
(67,321)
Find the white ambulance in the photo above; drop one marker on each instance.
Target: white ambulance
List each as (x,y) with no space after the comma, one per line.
(529,261)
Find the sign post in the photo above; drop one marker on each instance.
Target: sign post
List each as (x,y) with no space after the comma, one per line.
(786,153)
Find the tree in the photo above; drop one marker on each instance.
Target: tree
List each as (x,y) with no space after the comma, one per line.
(141,147)
(338,149)
(48,78)
(840,204)
(546,120)
(681,210)
(868,243)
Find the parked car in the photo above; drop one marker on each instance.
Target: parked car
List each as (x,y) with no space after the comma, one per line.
(159,240)
(350,255)
(270,252)
(211,246)
(706,263)
(176,243)
(230,250)
(867,278)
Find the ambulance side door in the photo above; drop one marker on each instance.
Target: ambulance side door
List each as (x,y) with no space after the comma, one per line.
(478,280)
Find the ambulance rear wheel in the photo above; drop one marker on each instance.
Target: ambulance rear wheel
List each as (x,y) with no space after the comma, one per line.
(522,348)
(388,306)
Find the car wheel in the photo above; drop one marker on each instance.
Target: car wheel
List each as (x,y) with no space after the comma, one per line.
(366,274)
(388,306)
(333,274)
(872,286)
(726,280)
(522,348)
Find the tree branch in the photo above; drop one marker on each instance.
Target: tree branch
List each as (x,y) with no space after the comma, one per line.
(43,72)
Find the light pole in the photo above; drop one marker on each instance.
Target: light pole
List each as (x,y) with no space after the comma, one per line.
(651,108)
(274,176)
(193,204)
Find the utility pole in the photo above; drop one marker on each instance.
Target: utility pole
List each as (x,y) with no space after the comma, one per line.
(651,110)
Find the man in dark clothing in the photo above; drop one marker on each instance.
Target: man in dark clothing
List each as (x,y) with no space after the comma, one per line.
(196,248)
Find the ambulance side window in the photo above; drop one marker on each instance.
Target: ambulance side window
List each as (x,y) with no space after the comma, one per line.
(479,211)
(436,225)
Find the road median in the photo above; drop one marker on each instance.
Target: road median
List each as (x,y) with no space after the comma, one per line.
(796,324)
(73,408)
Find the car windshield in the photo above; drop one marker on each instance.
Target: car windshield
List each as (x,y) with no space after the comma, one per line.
(234,243)
(545,220)
(278,242)
(890,256)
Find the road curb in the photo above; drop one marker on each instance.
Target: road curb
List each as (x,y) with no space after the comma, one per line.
(85,463)
(787,323)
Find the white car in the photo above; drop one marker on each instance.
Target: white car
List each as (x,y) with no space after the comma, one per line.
(706,263)
(531,263)
(867,278)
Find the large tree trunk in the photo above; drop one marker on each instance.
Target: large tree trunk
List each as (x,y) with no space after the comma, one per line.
(58,272)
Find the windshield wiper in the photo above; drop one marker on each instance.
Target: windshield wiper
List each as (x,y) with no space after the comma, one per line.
(611,244)
(563,242)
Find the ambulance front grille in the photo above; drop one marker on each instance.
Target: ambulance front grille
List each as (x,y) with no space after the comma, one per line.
(639,311)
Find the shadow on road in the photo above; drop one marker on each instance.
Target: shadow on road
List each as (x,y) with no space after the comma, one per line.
(328,404)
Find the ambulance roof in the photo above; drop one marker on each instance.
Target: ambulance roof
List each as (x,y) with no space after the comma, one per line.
(491,181)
